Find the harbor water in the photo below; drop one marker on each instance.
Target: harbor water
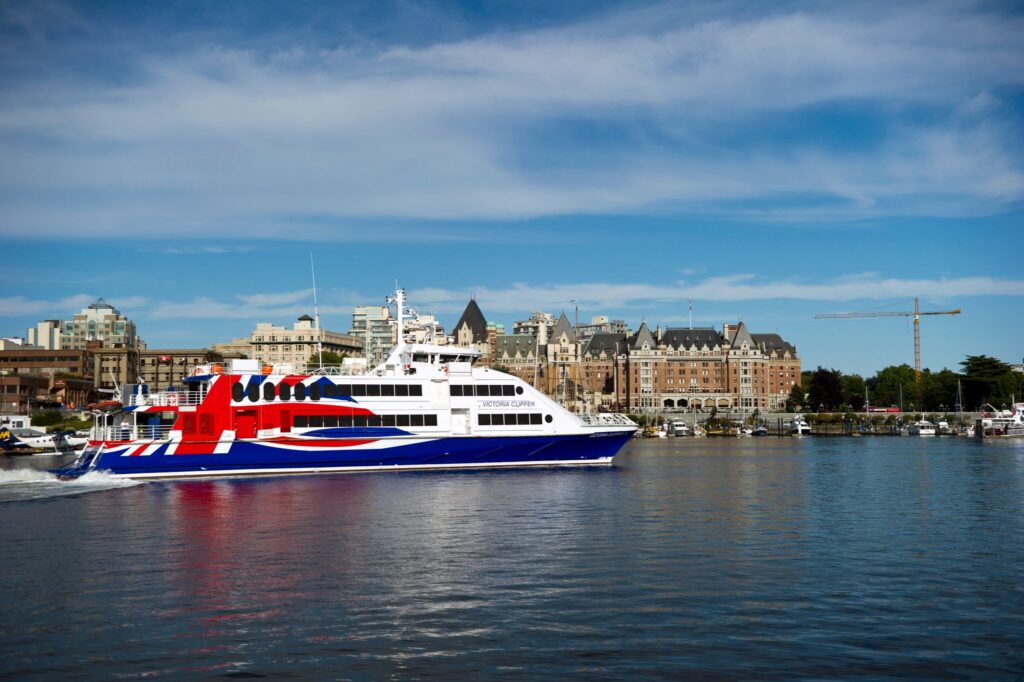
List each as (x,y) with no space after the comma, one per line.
(815,558)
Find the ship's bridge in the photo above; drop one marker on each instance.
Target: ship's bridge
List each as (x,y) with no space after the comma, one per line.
(423,357)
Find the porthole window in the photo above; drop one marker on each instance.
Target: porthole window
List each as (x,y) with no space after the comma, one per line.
(253,392)
(300,391)
(237,392)
(519,390)
(314,391)
(285,391)
(548,418)
(268,390)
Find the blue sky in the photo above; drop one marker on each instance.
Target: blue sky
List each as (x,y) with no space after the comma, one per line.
(768,160)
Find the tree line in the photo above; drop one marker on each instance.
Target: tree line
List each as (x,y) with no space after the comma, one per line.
(983,380)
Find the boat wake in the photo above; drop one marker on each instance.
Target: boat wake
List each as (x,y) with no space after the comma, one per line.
(32,484)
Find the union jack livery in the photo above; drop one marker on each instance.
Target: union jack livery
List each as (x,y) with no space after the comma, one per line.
(425,407)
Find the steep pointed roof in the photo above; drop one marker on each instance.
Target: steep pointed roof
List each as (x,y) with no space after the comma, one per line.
(474,318)
(306,318)
(741,336)
(644,336)
(563,327)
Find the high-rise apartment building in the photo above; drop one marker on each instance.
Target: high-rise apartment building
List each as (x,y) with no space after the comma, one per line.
(97,322)
(377,330)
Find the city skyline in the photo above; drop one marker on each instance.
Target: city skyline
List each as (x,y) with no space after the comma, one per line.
(768,162)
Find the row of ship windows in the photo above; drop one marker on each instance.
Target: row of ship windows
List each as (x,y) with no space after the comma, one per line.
(512,419)
(315,391)
(362,420)
(485,389)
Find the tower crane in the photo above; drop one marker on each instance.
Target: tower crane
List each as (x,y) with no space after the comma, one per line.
(916,313)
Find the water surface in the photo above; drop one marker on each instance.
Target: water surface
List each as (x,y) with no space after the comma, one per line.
(870,558)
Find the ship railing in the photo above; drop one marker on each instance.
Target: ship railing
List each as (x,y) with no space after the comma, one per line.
(164,399)
(139,432)
(605,419)
(332,371)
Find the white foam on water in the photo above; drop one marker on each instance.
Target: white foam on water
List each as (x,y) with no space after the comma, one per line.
(33,484)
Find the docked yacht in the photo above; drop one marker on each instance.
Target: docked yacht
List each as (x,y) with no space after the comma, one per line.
(922,427)
(798,426)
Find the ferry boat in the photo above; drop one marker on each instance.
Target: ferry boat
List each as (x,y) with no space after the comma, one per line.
(425,407)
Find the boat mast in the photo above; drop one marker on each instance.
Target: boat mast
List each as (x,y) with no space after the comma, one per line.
(316,315)
(399,300)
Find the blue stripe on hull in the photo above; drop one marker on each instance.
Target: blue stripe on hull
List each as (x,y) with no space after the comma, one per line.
(252,456)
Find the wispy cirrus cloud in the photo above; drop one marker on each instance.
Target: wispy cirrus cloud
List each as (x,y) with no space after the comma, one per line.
(663,109)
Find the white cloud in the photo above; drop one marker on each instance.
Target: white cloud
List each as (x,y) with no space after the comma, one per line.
(225,141)
(740,287)
(63,308)
(521,298)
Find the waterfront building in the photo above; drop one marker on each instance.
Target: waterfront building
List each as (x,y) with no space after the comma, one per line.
(161,368)
(35,361)
(23,394)
(376,329)
(518,354)
(653,370)
(98,321)
(112,367)
(600,324)
(298,346)
(238,347)
(539,325)
(46,334)
(422,329)
(38,378)
(471,332)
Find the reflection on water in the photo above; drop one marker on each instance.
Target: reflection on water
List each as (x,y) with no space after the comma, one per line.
(757,558)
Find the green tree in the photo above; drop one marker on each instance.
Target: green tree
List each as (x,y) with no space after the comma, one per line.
(329,358)
(987,380)
(938,390)
(853,391)
(825,389)
(887,384)
(797,398)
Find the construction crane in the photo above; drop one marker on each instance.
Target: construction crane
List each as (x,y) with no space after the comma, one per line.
(915,313)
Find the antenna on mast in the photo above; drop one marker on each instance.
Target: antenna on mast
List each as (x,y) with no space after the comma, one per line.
(399,300)
(316,315)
